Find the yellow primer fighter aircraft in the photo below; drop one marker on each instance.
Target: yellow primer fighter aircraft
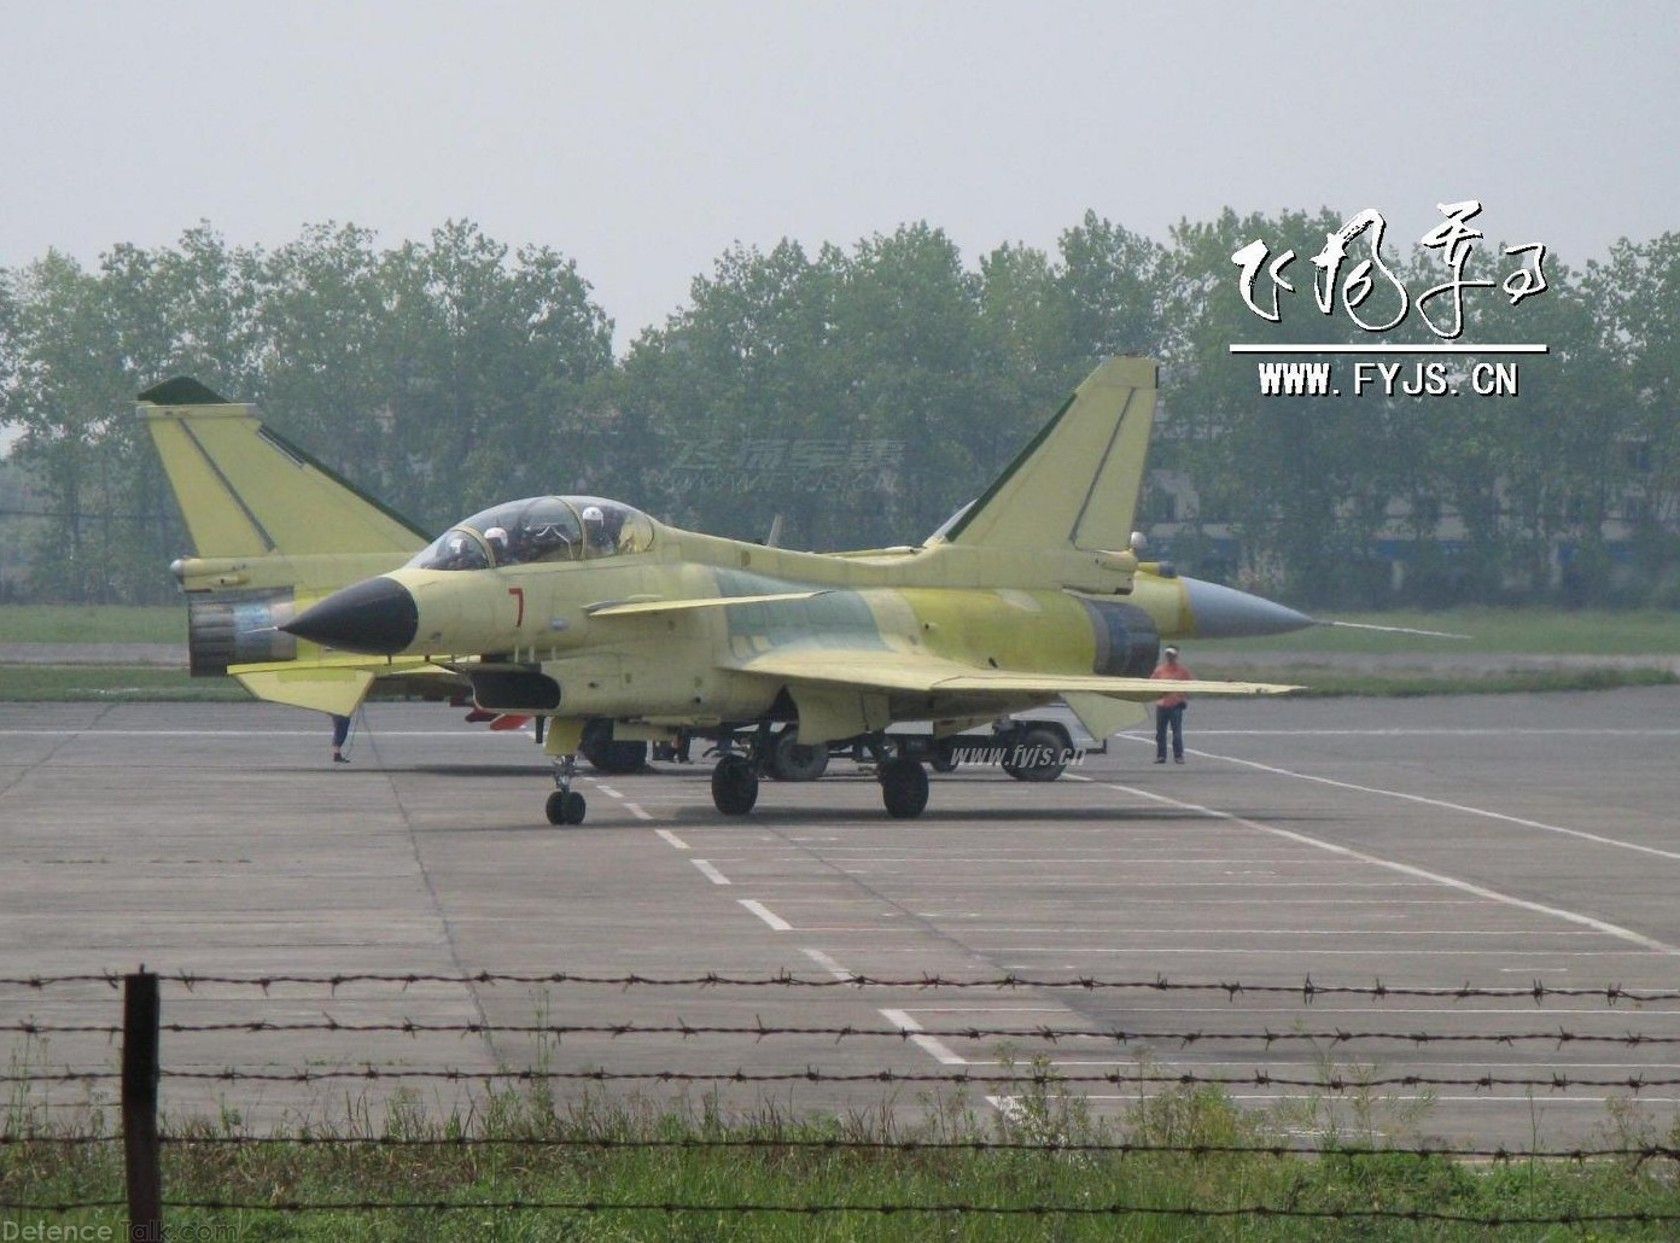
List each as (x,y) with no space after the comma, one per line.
(274,530)
(587,612)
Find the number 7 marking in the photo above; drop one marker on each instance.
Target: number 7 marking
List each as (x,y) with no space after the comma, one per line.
(518,593)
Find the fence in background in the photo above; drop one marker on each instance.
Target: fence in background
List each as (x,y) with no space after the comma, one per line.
(141,1072)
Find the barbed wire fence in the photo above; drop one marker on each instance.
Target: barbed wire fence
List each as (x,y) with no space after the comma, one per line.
(143,1141)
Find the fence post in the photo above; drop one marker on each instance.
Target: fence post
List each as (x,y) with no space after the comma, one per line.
(139,1106)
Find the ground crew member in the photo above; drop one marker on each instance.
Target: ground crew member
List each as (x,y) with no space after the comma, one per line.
(341,732)
(1169,709)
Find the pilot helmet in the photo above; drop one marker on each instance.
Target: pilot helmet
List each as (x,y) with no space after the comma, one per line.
(496,536)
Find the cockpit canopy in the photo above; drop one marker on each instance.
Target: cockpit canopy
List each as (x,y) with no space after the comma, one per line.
(539,528)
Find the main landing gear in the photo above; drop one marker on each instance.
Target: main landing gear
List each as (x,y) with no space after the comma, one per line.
(565,805)
(904,783)
(734,785)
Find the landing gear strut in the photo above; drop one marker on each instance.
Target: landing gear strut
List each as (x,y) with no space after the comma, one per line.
(565,805)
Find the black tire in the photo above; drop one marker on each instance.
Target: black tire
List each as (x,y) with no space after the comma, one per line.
(615,759)
(904,788)
(1037,753)
(566,807)
(734,786)
(791,762)
(944,757)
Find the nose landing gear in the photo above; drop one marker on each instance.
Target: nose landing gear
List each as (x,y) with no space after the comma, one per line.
(565,805)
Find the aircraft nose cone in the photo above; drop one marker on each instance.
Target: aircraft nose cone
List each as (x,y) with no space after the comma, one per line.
(1226,613)
(378,617)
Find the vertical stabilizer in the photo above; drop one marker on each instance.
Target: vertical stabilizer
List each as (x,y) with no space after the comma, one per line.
(1076,483)
(245,491)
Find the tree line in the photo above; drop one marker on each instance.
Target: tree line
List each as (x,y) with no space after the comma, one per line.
(863,392)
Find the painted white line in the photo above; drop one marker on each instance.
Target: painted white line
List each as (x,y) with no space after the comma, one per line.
(1309,951)
(986,1010)
(1596,838)
(1545,1102)
(927,1044)
(608,790)
(828,964)
(710,872)
(1108,930)
(1283,1067)
(1394,1008)
(672,838)
(1406,869)
(776,922)
(1563,732)
(1008,1106)
(635,810)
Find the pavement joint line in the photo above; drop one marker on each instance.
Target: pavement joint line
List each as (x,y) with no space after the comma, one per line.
(931,1045)
(672,839)
(710,872)
(1407,869)
(1443,804)
(432,895)
(828,964)
(28,769)
(776,922)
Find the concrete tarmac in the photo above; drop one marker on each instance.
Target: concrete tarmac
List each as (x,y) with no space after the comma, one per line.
(1492,840)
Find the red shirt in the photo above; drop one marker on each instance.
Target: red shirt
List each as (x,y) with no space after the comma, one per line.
(1172,671)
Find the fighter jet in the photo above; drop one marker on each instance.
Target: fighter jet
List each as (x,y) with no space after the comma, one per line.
(590,614)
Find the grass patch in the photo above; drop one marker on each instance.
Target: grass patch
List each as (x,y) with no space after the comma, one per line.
(113,683)
(1324,681)
(796,1161)
(1534,630)
(92,623)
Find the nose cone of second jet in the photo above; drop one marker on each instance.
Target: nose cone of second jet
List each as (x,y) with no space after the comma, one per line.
(378,616)
(1226,613)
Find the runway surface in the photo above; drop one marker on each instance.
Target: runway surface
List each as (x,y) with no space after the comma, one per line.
(1494,841)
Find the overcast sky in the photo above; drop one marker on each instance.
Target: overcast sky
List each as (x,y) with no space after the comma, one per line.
(643,139)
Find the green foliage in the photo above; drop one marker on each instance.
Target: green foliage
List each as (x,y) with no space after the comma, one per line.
(863,393)
(591,1149)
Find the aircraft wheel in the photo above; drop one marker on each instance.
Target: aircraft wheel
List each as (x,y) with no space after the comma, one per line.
(944,758)
(904,788)
(791,762)
(1037,754)
(734,786)
(616,759)
(566,807)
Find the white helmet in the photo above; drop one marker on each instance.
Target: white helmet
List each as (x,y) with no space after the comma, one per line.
(592,513)
(497,536)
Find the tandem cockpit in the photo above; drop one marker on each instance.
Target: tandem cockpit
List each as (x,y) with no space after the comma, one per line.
(539,528)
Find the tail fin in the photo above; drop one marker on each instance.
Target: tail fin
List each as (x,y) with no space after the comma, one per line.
(245,491)
(1077,482)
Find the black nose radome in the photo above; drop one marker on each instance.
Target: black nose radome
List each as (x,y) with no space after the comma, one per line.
(378,616)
